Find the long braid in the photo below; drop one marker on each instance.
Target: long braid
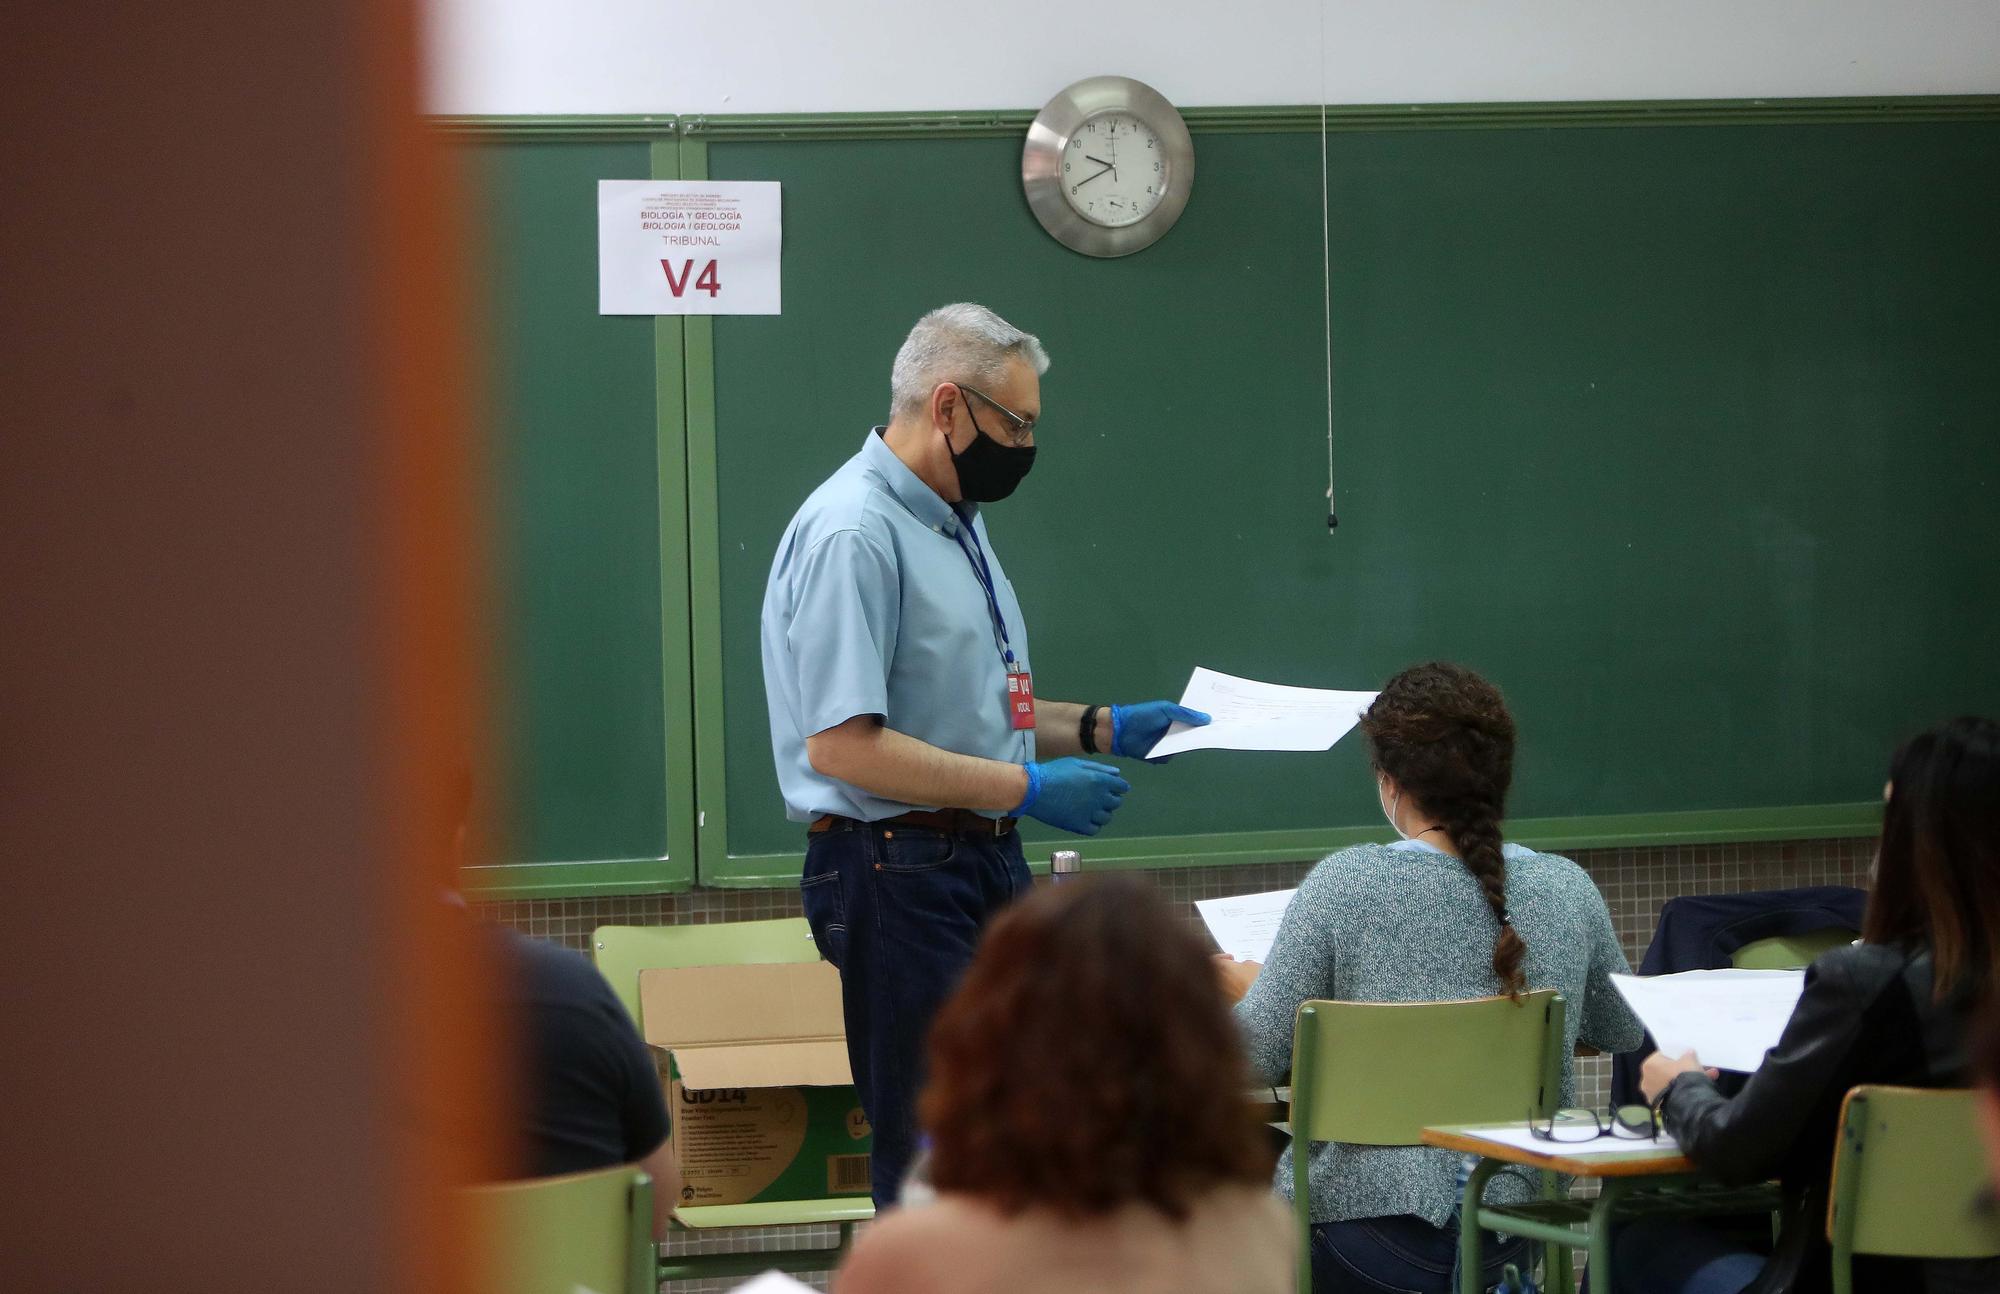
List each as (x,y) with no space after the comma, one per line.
(1475,829)
(1444,734)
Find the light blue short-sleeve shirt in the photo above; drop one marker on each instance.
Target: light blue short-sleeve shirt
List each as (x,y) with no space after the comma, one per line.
(874,607)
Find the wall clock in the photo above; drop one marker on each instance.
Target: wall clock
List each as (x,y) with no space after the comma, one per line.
(1108,166)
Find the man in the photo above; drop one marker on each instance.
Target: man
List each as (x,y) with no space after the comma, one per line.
(903,716)
(590,1092)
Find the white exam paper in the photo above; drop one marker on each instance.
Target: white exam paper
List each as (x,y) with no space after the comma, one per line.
(1244,925)
(1517,1134)
(1247,715)
(1728,1018)
(773,1282)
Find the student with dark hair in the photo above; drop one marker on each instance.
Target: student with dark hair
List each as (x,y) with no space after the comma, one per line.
(1448,912)
(585,1090)
(1892,1008)
(1086,1122)
(589,1093)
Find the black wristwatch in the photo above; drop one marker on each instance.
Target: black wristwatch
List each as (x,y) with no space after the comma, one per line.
(1086,732)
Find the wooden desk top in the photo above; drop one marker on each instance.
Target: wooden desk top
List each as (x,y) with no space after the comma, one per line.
(1649,1162)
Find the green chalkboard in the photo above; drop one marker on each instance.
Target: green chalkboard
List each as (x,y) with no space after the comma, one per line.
(1687,436)
(588,542)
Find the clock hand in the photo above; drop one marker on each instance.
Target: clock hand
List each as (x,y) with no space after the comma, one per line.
(1100,161)
(1100,175)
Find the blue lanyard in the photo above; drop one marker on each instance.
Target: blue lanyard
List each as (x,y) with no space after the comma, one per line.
(977,556)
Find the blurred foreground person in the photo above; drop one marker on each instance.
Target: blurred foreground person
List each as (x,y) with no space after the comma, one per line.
(1087,1125)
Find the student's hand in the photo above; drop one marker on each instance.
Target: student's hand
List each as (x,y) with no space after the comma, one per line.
(1136,729)
(1660,1070)
(1078,795)
(1235,977)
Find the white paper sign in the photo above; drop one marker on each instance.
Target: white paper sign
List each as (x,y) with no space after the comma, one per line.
(688,247)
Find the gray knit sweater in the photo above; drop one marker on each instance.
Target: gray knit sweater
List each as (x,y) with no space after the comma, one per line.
(1406,923)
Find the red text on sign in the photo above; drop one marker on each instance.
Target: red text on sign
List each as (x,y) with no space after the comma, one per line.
(707,281)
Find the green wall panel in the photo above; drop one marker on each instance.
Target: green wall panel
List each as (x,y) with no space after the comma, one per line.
(1683,434)
(588,550)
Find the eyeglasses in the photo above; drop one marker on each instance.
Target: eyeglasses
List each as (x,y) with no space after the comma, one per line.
(1636,1122)
(1019,430)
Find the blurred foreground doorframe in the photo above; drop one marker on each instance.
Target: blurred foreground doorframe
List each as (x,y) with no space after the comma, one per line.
(237,677)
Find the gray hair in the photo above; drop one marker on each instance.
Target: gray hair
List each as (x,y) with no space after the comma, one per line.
(957,343)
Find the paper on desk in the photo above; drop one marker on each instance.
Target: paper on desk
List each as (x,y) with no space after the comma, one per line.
(772,1282)
(1245,924)
(1517,1134)
(1247,715)
(1728,1018)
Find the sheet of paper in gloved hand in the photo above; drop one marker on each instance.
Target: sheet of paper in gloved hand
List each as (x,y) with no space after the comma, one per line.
(1247,715)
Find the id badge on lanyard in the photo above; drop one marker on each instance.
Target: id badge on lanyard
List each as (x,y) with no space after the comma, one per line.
(1021,698)
(1020,683)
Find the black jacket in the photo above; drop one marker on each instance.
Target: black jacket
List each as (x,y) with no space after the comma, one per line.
(1866,1016)
(1703,932)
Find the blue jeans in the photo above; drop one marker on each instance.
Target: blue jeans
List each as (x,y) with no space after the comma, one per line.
(898,911)
(1689,1255)
(1402,1255)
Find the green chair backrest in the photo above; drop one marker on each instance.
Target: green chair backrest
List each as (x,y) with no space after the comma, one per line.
(558,1235)
(1907,1173)
(1789,952)
(1379,1073)
(621,952)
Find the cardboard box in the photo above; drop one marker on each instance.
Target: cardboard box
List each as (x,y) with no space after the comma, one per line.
(754,1060)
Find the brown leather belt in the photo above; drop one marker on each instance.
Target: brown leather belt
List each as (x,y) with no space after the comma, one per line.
(959,822)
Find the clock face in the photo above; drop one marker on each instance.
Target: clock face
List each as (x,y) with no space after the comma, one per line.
(1107,166)
(1114,170)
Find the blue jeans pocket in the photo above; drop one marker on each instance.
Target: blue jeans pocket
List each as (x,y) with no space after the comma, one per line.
(917,850)
(826,914)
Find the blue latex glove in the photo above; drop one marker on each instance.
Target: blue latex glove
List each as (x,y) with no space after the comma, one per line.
(1136,729)
(1078,795)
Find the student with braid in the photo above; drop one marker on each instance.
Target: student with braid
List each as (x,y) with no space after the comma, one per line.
(1448,912)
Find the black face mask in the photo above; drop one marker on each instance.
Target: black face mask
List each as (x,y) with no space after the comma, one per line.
(987,470)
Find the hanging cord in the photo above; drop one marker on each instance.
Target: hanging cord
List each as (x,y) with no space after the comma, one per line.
(1326,264)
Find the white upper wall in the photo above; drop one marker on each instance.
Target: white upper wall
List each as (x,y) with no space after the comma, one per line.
(765,56)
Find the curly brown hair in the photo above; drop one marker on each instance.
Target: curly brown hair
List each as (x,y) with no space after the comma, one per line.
(1088,1061)
(1444,734)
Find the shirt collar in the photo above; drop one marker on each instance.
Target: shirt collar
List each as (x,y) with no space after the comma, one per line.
(1509,851)
(921,501)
